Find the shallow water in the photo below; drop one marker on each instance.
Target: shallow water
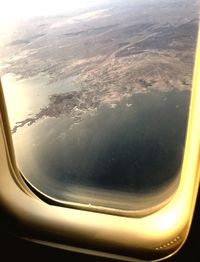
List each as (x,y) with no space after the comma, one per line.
(26,97)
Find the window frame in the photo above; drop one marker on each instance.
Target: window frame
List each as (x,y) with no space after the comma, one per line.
(152,237)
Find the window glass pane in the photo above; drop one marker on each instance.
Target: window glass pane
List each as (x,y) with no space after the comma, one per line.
(98,96)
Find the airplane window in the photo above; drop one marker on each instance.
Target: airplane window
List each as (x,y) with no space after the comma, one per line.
(98,97)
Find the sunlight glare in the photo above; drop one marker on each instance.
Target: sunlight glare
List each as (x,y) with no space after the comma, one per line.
(23,8)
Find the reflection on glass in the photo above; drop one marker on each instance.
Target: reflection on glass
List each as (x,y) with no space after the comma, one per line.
(98,97)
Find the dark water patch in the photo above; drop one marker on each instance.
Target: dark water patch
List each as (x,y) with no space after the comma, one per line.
(135,148)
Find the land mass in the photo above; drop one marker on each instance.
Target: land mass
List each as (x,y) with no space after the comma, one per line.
(113,53)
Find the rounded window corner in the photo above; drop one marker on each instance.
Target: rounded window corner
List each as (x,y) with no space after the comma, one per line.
(147,218)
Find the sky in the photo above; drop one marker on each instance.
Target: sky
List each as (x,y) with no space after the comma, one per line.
(28,8)
(22,9)
(10,9)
